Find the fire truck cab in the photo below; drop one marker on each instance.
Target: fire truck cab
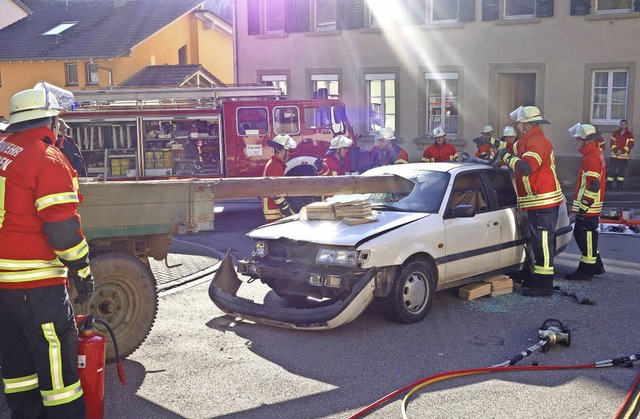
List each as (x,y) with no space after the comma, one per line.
(197,132)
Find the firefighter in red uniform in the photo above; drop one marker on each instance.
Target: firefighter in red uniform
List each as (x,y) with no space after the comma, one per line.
(539,194)
(587,201)
(602,144)
(277,207)
(621,144)
(41,244)
(441,150)
(334,161)
(387,151)
(485,150)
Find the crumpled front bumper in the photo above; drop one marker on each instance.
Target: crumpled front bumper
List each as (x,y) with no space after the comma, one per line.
(225,285)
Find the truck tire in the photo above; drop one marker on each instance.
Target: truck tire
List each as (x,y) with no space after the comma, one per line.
(125,296)
(411,294)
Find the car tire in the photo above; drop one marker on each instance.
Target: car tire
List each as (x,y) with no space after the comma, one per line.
(411,294)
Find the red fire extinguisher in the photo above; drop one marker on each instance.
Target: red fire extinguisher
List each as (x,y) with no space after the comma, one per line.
(91,363)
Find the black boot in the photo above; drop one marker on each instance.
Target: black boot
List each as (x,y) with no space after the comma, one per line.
(599,268)
(541,286)
(583,273)
(620,184)
(608,185)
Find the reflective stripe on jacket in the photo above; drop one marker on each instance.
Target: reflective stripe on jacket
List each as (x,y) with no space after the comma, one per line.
(592,168)
(541,189)
(274,167)
(37,186)
(439,153)
(621,142)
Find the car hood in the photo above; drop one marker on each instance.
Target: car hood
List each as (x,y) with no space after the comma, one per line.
(334,232)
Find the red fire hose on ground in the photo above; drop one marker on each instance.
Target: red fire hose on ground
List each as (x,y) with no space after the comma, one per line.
(551,332)
(91,363)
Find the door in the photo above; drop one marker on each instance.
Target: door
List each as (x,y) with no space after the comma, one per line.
(515,89)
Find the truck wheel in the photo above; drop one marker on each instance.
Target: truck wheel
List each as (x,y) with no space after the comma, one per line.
(125,296)
(411,294)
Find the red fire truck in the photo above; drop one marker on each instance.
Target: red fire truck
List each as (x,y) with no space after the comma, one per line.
(197,132)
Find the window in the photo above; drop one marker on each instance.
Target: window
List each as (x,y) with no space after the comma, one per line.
(325,85)
(253,121)
(182,55)
(286,120)
(609,6)
(381,91)
(92,74)
(442,102)
(444,10)
(519,8)
(325,15)
(275,80)
(71,74)
(609,96)
(57,30)
(273,16)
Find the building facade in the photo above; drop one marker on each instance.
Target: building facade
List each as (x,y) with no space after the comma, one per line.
(460,64)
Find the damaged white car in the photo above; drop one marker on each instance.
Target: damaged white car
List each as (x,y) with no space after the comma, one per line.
(456,223)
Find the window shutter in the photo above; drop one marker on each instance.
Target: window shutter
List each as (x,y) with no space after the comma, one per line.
(302,15)
(289,16)
(490,10)
(253,17)
(467,10)
(342,18)
(356,14)
(545,8)
(416,11)
(580,7)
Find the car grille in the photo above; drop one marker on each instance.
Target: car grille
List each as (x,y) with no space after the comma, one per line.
(288,251)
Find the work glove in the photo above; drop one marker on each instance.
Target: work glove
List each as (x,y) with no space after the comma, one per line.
(480,141)
(504,155)
(84,287)
(580,214)
(317,165)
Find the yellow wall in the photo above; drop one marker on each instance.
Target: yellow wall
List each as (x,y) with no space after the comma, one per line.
(210,48)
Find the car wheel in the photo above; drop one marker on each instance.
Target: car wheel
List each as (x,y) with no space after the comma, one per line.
(411,294)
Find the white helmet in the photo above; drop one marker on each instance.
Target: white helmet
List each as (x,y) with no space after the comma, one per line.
(438,132)
(528,114)
(43,101)
(387,133)
(509,131)
(282,141)
(582,130)
(487,129)
(340,142)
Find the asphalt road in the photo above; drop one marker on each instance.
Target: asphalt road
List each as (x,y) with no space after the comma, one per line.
(198,363)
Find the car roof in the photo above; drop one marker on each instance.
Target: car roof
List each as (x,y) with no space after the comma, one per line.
(449,167)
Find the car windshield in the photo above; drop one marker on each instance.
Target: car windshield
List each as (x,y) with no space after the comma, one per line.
(426,195)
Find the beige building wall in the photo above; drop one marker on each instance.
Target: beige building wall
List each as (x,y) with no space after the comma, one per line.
(10,12)
(561,51)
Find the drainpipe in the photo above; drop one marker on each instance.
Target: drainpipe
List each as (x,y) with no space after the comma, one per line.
(235,42)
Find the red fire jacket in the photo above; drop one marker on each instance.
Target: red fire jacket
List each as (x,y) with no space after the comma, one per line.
(38,189)
(438,153)
(485,152)
(541,189)
(621,142)
(592,169)
(333,166)
(393,154)
(274,167)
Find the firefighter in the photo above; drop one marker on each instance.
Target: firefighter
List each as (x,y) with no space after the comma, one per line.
(70,148)
(485,150)
(387,151)
(602,144)
(277,207)
(441,150)
(621,144)
(335,163)
(539,194)
(509,136)
(587,202)
(41,248)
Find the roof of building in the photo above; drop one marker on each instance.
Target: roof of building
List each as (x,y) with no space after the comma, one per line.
(103,30)
(172,76)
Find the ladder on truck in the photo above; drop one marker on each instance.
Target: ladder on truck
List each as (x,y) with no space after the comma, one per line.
(176,98)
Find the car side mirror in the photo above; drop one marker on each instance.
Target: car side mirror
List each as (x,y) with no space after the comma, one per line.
(463,211)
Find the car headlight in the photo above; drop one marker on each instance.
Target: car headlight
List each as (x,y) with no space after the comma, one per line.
(261,249)
(336,257)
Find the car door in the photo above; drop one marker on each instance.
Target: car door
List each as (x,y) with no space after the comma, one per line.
(512,252)
(472,244)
